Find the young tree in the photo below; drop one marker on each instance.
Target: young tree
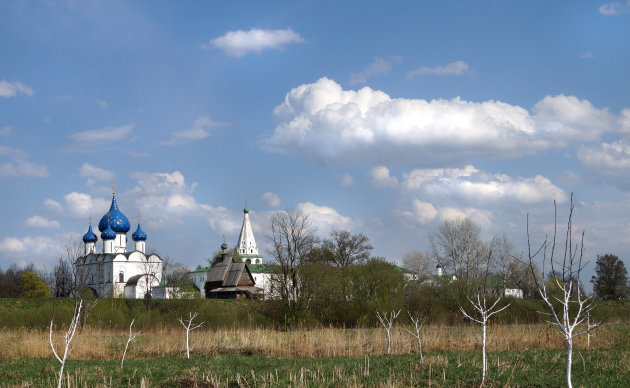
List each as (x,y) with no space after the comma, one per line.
(611,281)
(344,248)
(188,325)
(68,337)
(567,305)
(387,320)
(292,238)
(62,278)
(503,259)
(132,336)
(417,334)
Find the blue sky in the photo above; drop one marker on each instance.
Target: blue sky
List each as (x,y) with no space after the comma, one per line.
(384,118)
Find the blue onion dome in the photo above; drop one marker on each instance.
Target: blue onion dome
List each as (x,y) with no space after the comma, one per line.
(108,233)
(117,220)
(89,237)
(139,234)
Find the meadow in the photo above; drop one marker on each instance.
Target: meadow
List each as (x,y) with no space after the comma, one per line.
(248,354)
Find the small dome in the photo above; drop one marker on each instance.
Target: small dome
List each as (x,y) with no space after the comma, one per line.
(139,234)
(438,266)
(108,233)
(118,222)
(246,210)
(90,237)
(224,246)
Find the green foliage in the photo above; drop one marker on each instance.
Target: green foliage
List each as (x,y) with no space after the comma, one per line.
(32,286)
(611,281)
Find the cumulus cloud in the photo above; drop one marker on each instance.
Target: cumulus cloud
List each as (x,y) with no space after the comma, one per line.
(377,66)
(331,125)
(96,173)
(11,89)
(198,131)
(102,135)
(239,43)
(32,246)
(18,165)
(380,177)
(421,212)
(476,186)
(270,199)
(345,180)
(325,218)
(614,8)
(166,199)
(453,68)
(78,205)
(41,222)
(608,161)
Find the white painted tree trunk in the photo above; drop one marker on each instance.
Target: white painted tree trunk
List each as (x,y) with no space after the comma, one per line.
(388,321)
(131,337)
(569,361)
(188,326)
(72,328)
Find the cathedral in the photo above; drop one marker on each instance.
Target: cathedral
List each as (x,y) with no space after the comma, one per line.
(117,271)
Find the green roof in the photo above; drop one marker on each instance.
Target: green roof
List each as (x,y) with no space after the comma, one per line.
(403,269)
(246,255)
(205,269)
(261,268)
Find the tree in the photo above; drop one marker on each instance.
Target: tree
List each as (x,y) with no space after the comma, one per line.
(292,238)
(419,263)
(387,320)
(526,278)
(32,286)
(72,328)
(344,248)
(503,259)
(611,281)
(10,280)
(568,307)
(131,337)
(188,325)
(457,247)
(62,278)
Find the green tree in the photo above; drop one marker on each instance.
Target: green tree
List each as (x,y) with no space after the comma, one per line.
(611,281)
(344,248)
(32,286)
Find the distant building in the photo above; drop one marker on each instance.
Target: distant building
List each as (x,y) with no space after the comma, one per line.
(228,279)
(247,250)
(116,271)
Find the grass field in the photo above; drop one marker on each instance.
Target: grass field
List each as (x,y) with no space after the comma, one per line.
(531,368)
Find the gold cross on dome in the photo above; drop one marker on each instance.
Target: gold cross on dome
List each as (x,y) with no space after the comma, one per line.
(114,189)
(138,219)
(90,220)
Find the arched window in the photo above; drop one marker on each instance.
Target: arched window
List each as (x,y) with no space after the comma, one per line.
(121,277)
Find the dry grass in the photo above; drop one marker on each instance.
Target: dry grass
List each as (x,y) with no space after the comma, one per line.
(100,344)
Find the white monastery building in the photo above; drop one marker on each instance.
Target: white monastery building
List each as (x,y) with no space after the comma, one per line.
(117,270)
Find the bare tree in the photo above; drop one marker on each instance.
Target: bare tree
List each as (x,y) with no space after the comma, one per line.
(188,325)
(568,307)
(292,238)
(419,263)
(344,248)
(132,336)
(418,326)
(457,247)
(72,328)
(387,320)
(503,259)
(82,279)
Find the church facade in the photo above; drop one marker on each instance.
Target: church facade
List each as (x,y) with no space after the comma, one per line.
(116,270)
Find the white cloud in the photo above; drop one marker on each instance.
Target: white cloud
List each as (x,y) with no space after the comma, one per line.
(476,186)
(102,104)
(325,218)
(199,131)
(41,222)
(11,89)
(378,66)
(93,172)
(31,246)
(381,178)
(19,166)
(453,68)
(608,161)
(345,180)
(270,199)
(102,135)
(239,43)
(587,55)
(4,131)
(422,213)
(614,8)
(332,125)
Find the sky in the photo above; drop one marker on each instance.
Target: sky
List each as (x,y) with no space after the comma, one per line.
(382,118)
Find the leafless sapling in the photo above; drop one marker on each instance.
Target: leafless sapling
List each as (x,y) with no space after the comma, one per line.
(387,320)
(418,326)
(567,306)
(188,325)
(132,336)
(72,328)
